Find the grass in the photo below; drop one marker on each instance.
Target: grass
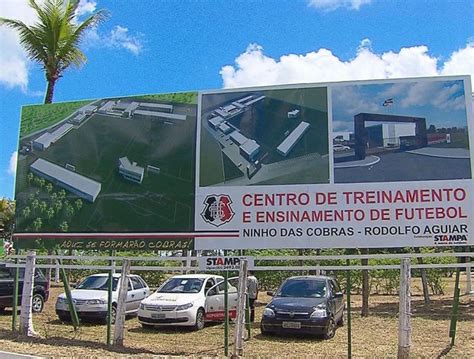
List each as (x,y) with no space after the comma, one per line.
(162,202)
(178,97)
(39,117)
(372,337)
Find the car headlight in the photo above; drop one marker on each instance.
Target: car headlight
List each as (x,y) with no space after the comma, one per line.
(267,312)
(184,306)
(61,300)
(319,312)
(142,306)
(96,301)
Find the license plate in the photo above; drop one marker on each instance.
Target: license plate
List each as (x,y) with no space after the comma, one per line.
(291,325)
(158,316)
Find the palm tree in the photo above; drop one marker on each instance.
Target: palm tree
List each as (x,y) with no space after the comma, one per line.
(53,41)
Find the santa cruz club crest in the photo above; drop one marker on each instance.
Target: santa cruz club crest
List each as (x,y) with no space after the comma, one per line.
(217,209)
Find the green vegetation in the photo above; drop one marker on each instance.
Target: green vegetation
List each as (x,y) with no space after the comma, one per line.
(39,117)
(382,281)
(46,207)
(164,201)
(177,97)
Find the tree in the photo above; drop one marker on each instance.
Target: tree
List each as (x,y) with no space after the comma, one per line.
(69,210)
(78,204)
(53,41)
(37,223)
(30,177)
(62,194)
(42,206)
(50,213)
(26,212)
(7,218)
(64,226)
(49,187)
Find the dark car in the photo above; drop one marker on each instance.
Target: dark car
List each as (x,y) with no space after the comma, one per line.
(7,283)
(309,304)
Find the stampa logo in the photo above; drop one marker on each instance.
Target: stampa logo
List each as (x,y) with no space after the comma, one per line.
(217,209)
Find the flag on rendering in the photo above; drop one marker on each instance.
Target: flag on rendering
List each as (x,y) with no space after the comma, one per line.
(388,102)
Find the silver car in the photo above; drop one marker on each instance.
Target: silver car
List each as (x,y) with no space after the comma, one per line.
(90,297)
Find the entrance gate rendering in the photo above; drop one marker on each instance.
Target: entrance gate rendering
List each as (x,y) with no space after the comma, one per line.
(361,134)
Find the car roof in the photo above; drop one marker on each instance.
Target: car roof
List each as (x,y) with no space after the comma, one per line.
(311,277)
(116,275)
(200,276)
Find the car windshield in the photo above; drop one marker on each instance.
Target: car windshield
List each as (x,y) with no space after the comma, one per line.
(182,285)
(303,288)
(98,283)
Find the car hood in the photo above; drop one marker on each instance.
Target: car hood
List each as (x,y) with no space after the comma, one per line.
(86,294)
(171,298)
(293,304)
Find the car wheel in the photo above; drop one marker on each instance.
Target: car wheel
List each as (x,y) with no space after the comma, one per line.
(330,329)
(199,319)
(340,323)
(114,314)
(264,331)
(37,303)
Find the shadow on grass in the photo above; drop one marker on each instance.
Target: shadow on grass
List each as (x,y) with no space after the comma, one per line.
(164,329)
(295,337)
(66,342)
(438,309)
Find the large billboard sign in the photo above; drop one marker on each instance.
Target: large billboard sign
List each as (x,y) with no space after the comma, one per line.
(340,165)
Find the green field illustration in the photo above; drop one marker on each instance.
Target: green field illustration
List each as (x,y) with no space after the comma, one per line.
(112,165)
(265,137)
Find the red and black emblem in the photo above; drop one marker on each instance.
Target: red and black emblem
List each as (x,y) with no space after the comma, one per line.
(217,209)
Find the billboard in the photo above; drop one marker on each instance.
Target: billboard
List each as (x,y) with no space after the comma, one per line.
(341,165)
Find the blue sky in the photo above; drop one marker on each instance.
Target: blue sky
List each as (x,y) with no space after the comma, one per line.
(442,103)
(165,46)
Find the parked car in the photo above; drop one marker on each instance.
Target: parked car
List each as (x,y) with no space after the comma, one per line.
(90,297)
(340,148)
(7,282)
(308,304)
(187,300)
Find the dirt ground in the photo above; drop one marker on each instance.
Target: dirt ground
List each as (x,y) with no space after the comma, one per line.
(372,337)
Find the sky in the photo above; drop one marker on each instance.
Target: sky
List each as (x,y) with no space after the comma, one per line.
(441,103)
(181,45)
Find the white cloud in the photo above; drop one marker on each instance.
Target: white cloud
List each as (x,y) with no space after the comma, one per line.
(86,7)
(12,164)
(13,62)
(118,38)
(121,38)
(330,5)
(254,68)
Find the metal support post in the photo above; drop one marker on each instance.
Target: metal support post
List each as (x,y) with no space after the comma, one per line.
(455,310)
(109,302)
(348,310)
(15,294)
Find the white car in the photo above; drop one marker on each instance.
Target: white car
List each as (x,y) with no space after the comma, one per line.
(340,148)
(188,300)
(90,297)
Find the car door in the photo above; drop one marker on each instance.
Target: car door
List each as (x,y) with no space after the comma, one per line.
(130,304)
(139,293)
(338,302)
(6,287)
(215,302)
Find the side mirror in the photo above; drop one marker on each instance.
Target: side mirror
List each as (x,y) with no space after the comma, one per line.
(270,293)
(338,295)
